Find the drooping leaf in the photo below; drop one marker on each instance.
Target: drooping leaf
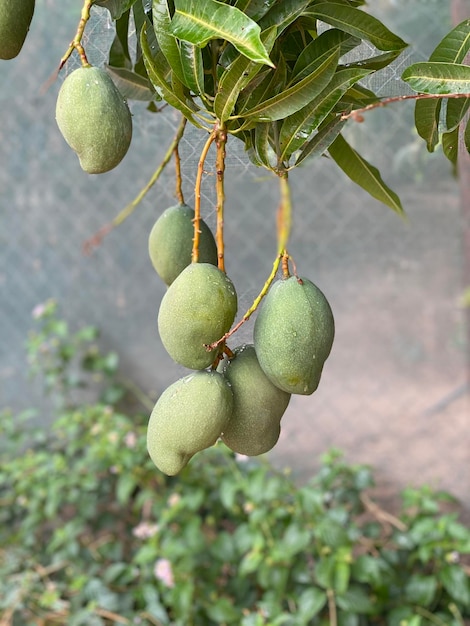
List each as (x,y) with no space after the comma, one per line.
(421,589)
(131,85)
(116,7)
(310,603)
(357,23)
(192,67)
(355,600)
(456,583)
(119,55)
(363,173)
(322,140)
(359,96)
(168,44)
(266,154)
(158,72)
(455,111)
(282,14)
(199,22)
(321,47)
(294,98)
(236,77)
(427,114)
(297,128)
(438,78)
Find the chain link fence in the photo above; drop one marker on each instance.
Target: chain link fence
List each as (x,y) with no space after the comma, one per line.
(393,392)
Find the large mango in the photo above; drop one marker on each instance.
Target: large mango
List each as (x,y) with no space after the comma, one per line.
(293,335)
(15,19)
(258,405)
(188,417)
(171,242)
(94,119)
(198,308)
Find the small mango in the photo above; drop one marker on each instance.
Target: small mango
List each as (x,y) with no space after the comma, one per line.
(187,418)
(258,405)
(15,19)
(293,335)
(171,242)
(198,308)
(94,119)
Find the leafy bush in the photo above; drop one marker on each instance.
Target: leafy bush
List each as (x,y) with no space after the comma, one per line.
(91,533)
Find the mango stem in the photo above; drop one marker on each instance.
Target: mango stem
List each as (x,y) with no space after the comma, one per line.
(221,142)
(197,195)
(76,43)
(178,177)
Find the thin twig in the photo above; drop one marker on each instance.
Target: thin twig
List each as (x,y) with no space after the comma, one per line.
(197,195)
(382,515)
(98,237)
(356,114)
(332,607)
(178,177)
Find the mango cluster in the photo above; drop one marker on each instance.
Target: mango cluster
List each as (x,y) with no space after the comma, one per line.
(239,398)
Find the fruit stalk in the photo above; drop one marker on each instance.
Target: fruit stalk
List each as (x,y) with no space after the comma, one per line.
(221,142)
(76,44)
(178,177)
(197,194)
(284,221)
(97,238)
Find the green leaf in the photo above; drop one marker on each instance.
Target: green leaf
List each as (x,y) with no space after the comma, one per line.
(192,67)
(455,45)
(324,44)
(158,69)
(427,114)
(438,78)
(236,77)
(199,22)
(355,600)
(116,7)
(255,8)
(282,14)
(377,62)
(119,55)
(324,571)
(456,583)
(222,611)
(455,111)
(363,173)
(450,146)
(273,84)
(294,98)
(421,590)
(264,151)
(131,85)
(322,140)
(167,43)
(310,603)
(357,23)
(297,128)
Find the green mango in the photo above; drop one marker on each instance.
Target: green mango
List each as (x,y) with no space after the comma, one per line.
(171,242)
(187,418)
(94,119)
(15,19)
(258,405)
(198,308)
(293,335)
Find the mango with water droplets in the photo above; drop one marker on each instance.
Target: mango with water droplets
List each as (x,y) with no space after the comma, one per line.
(94,119)
(293,335)
(171,242)
(198,308)
(188,417)
(258,405)
(15,19)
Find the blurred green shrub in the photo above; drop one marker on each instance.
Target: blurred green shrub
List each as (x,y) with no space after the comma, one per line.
(91,534)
